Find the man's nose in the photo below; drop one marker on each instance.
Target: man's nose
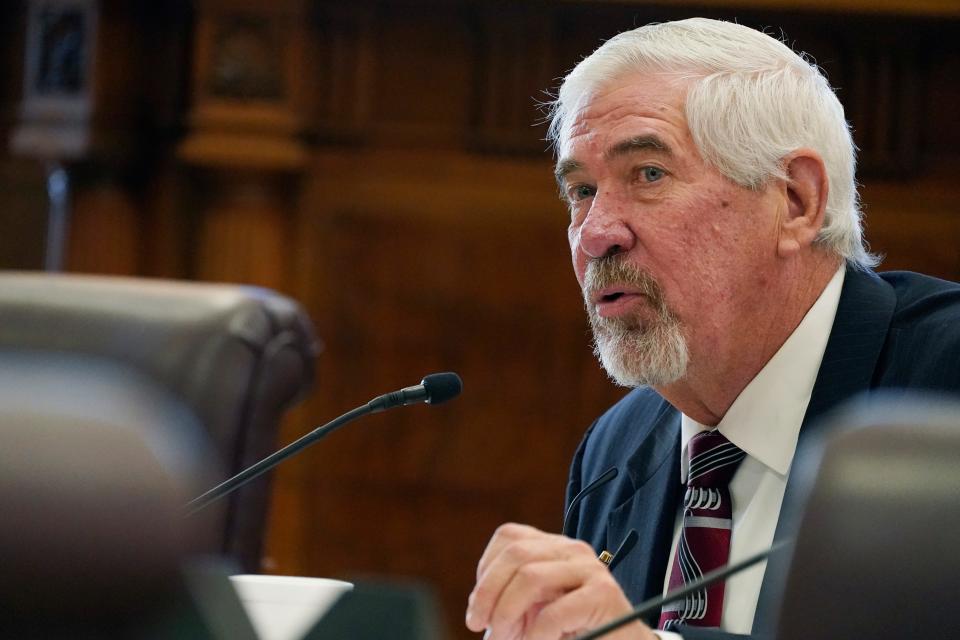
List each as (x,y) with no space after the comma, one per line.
(605,230)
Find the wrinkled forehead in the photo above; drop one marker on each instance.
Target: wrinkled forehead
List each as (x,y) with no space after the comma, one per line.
(573,121)
(593,100)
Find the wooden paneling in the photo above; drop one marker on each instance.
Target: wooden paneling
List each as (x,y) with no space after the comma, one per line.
(104,205)
(516,66)
(420,227)
(947,8)
(23,214)
(914,224)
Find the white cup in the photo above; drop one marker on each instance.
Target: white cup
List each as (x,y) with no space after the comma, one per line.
(286,607)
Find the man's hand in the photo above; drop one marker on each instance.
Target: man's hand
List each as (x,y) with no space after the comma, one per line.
(533,585)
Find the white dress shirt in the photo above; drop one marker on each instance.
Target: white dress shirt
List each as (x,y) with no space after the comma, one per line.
(765,422)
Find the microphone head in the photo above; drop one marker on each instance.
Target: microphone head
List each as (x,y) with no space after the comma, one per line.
(441,387)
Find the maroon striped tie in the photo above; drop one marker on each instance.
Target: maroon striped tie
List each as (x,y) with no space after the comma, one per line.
(704,542)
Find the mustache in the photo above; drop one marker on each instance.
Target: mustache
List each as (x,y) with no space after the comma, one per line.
(614,270)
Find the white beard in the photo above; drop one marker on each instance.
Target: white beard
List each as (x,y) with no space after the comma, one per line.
(635,353)
(649,356)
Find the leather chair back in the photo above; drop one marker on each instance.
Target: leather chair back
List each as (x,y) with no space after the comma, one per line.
(237,357)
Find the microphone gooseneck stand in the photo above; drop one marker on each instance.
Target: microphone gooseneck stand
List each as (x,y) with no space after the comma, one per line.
(433,389)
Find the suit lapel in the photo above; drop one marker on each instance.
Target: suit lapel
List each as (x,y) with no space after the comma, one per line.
(859,332)
(654,471)
(856,340)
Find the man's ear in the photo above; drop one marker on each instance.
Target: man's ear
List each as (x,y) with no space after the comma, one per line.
(806,190)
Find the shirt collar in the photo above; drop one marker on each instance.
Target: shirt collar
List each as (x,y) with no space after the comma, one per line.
(765,418)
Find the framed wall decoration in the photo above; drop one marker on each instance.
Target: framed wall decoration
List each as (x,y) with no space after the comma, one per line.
(58,85)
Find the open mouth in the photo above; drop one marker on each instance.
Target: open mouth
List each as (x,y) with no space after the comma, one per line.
(609,294)
(611,302)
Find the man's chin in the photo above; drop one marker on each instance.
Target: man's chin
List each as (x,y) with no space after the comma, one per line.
(632,365)
(616,326)
(633,379)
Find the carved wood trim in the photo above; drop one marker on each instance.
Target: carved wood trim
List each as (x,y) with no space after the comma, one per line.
(248,88)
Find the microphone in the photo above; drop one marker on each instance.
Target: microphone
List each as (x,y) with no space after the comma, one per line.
(435,388)
(679,593)
(601,480)
(626,545)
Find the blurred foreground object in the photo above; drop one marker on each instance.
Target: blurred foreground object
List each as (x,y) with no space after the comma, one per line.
(236,357)
(876,554)
(95,461)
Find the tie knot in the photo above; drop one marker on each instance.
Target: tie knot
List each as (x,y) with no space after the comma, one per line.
(713,460)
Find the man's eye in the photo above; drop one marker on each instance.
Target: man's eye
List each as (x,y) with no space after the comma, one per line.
(652,174)
(581,192)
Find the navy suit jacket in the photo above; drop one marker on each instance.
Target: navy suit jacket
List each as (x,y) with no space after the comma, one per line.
(895,330)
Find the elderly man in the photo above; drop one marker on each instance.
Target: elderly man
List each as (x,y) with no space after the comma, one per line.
(716,235)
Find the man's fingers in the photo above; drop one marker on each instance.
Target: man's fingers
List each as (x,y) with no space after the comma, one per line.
(532,584)
(513,547)
(538,584)
(504,535)
(501,569)
(595,603)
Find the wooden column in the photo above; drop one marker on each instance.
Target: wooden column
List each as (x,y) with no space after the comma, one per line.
(243,154)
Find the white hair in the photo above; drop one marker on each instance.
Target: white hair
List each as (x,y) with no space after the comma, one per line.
(750,102)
